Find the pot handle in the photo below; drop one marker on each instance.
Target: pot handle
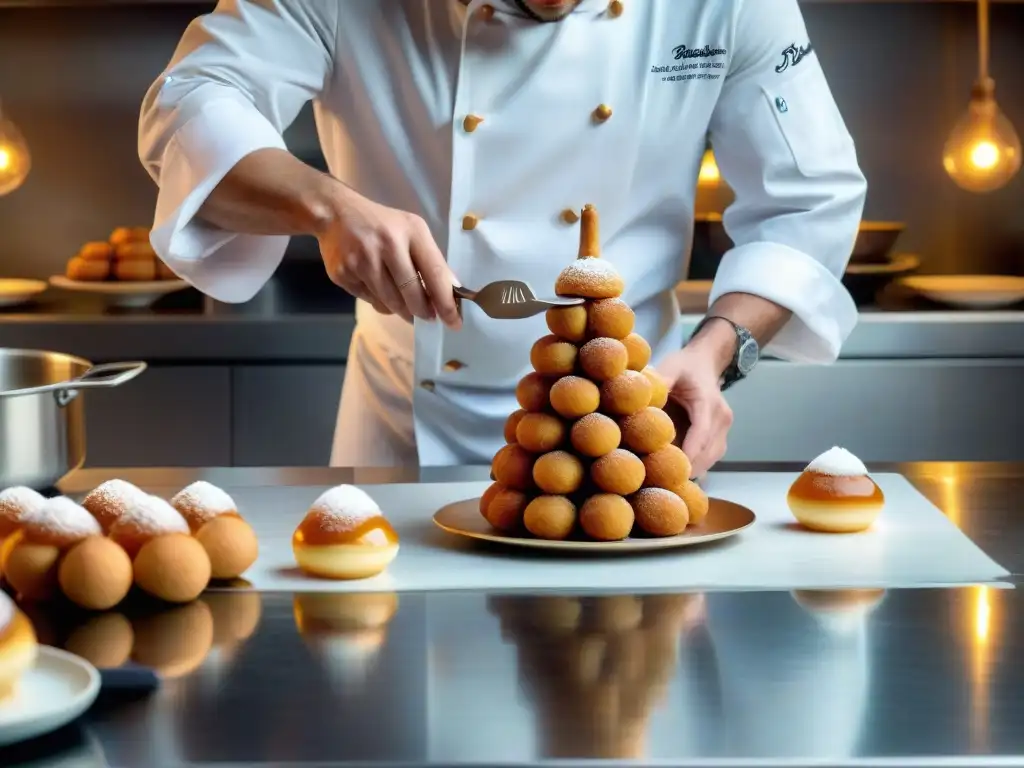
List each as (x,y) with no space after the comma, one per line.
(97,377)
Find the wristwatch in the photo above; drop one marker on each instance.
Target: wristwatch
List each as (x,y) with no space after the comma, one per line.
(744,359)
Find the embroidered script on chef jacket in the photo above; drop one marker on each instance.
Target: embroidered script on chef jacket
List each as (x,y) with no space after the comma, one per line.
(793,55)
(706,62)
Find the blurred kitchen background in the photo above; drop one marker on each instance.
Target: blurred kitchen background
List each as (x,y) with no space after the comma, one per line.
(919,380)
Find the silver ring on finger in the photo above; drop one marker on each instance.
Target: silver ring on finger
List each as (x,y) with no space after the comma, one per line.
(414,279)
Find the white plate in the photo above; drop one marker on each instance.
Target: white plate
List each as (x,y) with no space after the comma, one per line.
(59,689)
(15,291)
(122,294)
(969,291)
(693,295)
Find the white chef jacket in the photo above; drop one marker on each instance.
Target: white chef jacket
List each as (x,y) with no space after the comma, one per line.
(392,83)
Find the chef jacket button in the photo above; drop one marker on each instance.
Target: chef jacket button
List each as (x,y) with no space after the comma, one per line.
(615,8)
(469,221)
(428,385)
(602,113)
(486,12)
(454,365)
(569,216)
(470,123)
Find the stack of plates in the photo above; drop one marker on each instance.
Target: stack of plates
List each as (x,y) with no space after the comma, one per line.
(968,291)
(14,292)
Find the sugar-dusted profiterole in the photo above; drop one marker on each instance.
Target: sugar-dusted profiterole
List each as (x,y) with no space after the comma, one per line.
(591,449)
(18,646)
(835,494)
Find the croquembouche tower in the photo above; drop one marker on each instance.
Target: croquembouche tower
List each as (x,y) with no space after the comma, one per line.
(591,451)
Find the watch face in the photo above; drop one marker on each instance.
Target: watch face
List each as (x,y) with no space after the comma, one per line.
(747,357)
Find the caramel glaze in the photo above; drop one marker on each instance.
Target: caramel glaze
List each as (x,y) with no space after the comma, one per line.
(311,532)
(836,489)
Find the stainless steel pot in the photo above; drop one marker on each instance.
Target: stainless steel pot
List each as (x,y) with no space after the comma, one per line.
(42,421)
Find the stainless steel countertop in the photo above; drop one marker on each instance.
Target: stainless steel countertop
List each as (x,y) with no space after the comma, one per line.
(908,677)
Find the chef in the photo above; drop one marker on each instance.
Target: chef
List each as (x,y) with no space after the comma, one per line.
(462,139)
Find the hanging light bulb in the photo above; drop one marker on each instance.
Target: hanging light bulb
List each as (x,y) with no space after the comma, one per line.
(709,175)
(15,160)
(983,152)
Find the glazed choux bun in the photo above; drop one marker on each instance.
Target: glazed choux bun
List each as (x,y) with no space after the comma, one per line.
(200,502)
(540,432)
(590,278)
(668,467)
(105,641)
(506,509)
(173,567)
(550,517)
(532,392)
(603,358)
(574,397)
(18,646)
(639,351)
(606,517)
(95,573)
(344,536)
(139,250)
(834,494)
(87,271)
(697,502)
(175,641)
(146,519)
(569,323)
(111,499)
(513,467)
(512,423)
(612,318)
(135,270)
(96,251)
(659,512)
(619,472)
(551,356)
(230,543)
(626,394)
(488,495)
(595,435)
(15,503)
(558,473)
(123,235)
(648,430)
(659,387)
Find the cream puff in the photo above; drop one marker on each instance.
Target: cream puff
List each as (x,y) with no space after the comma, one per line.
(835,494)
(344,536)
(146,519)
(111,499)
(18,646)
(200,502)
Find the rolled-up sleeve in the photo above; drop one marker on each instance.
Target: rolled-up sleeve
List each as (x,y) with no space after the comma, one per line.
(783,147)
(237,80)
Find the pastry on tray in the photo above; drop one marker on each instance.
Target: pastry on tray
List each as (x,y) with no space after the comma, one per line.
(591,452)
(835,494)
(126,256)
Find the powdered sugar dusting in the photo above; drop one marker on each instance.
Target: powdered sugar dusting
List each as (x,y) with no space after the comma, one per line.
(587,274)
(602,345)
(203,501)
(344,507)
(153,515)
(62,521)
(17,501)
(114,495)
(838,462)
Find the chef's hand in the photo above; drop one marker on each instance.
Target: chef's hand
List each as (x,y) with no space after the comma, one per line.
(694,375)
(380,254)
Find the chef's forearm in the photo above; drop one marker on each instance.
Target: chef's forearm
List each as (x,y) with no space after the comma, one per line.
(272,192)
(761,317)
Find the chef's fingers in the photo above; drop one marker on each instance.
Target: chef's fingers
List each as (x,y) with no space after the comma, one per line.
(364,293)
(437,275)
(699,435)
(381,260)
(712,454)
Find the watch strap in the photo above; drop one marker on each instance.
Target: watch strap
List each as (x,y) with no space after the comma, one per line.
(732,373)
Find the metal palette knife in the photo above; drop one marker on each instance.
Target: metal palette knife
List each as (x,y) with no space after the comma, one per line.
(510,300)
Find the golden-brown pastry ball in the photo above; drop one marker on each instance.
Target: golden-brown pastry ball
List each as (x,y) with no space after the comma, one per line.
(619,472)
(569,323)
(697,502)
(590,278)
(659,387)
(506,510)
(87,271)
(513,467)
(626,394)
(612,318)
(834,494)
(485,500)
(15,503)
(135,270)
(532,392)
(175,641)
(231,545)
(60,522)
(540,432)
(111,499)
(511,424)
(668,467)
(660,512)
(595,435)
(550,356)
(558,473)
(147,518)
(173,567)
(95,574)
(574,397)
(606,517)
(123,235)
(639,351)
(550,517)
(200,502)
(97,251)
(648,430)
(31,570)
(603,358)
(105,641)
(136,251)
